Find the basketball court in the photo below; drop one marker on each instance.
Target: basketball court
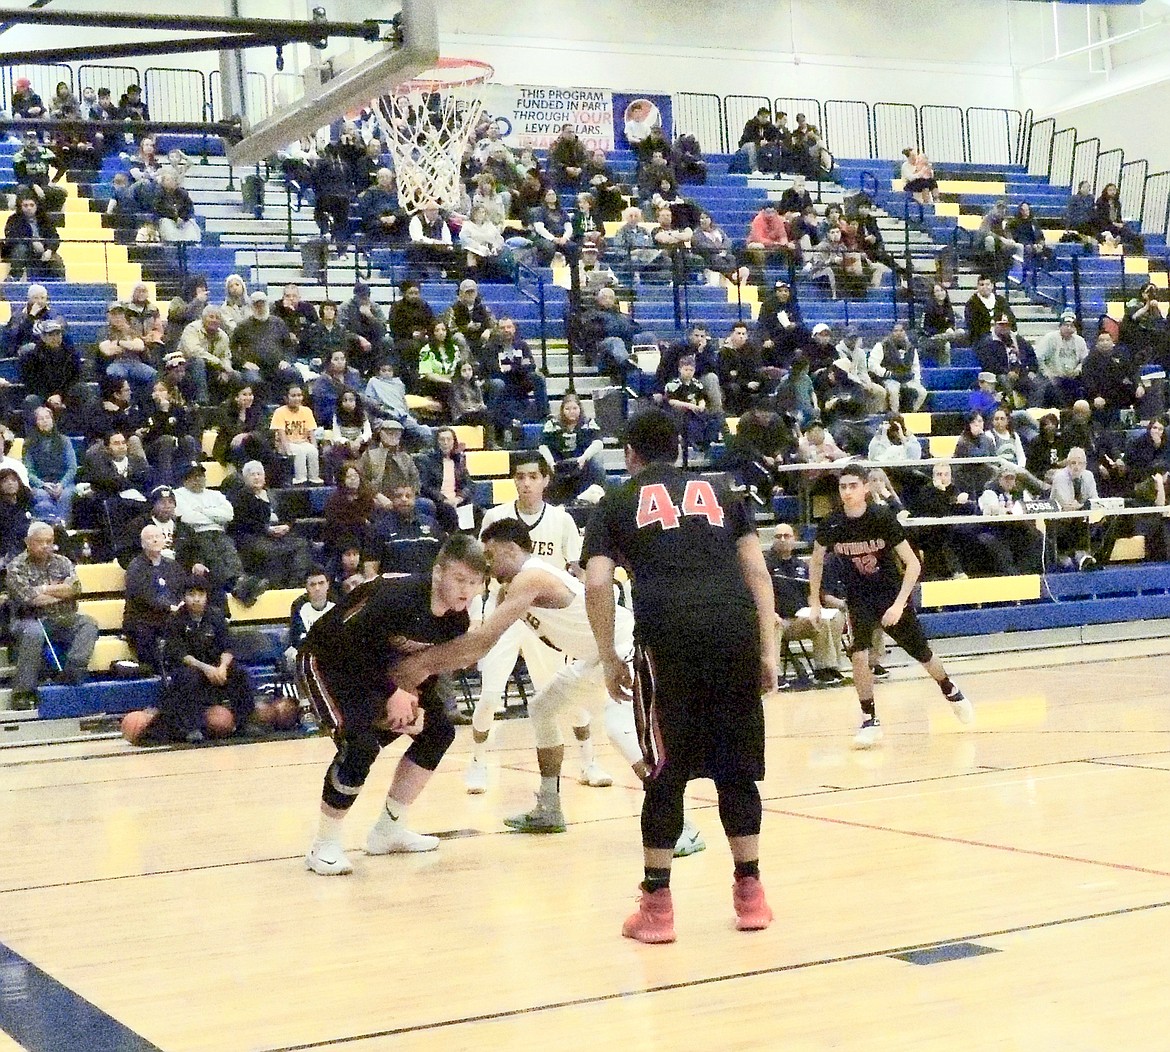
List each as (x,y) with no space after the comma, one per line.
(999,888)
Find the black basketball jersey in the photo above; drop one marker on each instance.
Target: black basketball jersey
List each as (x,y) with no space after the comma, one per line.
(864,547)
(377,624)
(677,533)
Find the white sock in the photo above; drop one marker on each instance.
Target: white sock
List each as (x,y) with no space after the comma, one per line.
(586,747)
(329,828)
(393,814)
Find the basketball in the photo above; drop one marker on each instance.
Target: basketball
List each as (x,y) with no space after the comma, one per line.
(219,721)
(135,724)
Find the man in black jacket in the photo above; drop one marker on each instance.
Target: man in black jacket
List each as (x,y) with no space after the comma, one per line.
(154,593)
(757,142)
(984,308)
(262,347)
(49,365)
(566,160)
(31,242)
(268,548)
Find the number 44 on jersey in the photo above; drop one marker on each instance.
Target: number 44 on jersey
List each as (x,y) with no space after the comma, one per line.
(655,505)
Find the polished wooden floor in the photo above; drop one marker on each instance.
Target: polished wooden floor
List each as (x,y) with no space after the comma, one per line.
(167,887)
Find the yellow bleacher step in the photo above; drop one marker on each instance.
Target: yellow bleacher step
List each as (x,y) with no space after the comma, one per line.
(106,612)
(5,312)
(947,208)
(106,651)
(273,605)
(970,222)
(488,463)
(732,423)
(1160,279)
(1115,309)
(101,577)
(209,437)
(975,590)
(1136,265)
(942,445)
(470,436)
(503,491)
(216,473)
(1128,549)
(918,423)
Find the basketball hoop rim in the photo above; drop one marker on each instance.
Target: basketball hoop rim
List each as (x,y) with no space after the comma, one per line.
(483,71)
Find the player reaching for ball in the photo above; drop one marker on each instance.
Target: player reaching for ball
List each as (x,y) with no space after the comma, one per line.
(343,668)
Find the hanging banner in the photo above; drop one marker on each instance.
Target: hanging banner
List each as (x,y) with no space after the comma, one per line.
(635,114)
(530,116)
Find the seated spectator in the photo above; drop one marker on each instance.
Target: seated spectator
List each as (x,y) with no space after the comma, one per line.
(430,237)
(43,588)
(603,185)
(1047,451)
(939,332)
(893,443)
(483,242)
(321,341)
(496,203)
(655,176)
(761,445)
(175,211)
(235,307)
(21,326)
(123,350)
(166,432)
(34,166)
(984,308)
(854,360)
(132,106)
(1060,355)
(686,158)
(1010,357)
(1111,224)
(796,200)
(517,390)
(634,246)
(781,327)
(52,468)
(336,377)
(986,397)
(685,395)
(469,319)
(186,307)
(918,177)
(348,435)
(566,159)
(592,273)
(974,441)
(348,511)
(16,511)
(552,230)
(49,365)
(242,433)
(380,211)
(1144,328)
(268,548)
(30,243)
(717,251)
(796,396)
(1073,489)
(206,513)
(296,314)
(894,362)
(790,591)
(366,320)
(444,478)
(154,592)
(1024,229)
(306,611)
(409,324)
(1110,379)
(571,444)
(468,402)
(207,351)
(114,474)
(757,142)
(333,193)
(385,465)
(817,446)
(263,348)
(742,379)
(826,260)
(1016,548)
(1149,453)
(295,429)
(1080,215)
(993,234)
(405,537)
(768,236)
(811,156)
(1008,446)
(608,335)
(385,397)
(208,693)
(26,103)
(945,549)
(438,359)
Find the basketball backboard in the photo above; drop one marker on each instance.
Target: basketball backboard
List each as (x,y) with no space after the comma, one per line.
(411,46)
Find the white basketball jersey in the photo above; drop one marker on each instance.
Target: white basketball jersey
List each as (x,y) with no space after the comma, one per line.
(555,537)
(567,628)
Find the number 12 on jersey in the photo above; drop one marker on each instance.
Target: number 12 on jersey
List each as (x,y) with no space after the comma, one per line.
(656,506)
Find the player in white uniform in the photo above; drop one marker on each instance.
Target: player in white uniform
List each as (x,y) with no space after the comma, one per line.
(557,541)
(551,603)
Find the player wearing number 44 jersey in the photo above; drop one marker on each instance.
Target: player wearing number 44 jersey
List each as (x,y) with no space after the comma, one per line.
(550,603)
(704,621)
(879,571)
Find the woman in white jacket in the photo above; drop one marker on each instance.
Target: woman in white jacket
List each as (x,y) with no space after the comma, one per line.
(893,444)
(483,242)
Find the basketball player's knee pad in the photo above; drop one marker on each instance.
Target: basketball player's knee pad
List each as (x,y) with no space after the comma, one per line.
(662,810)
(622,730)
(430,746)
(348,771)
(542,712)
(740,808)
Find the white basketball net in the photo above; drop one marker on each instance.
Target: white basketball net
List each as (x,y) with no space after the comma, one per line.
(426,124)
